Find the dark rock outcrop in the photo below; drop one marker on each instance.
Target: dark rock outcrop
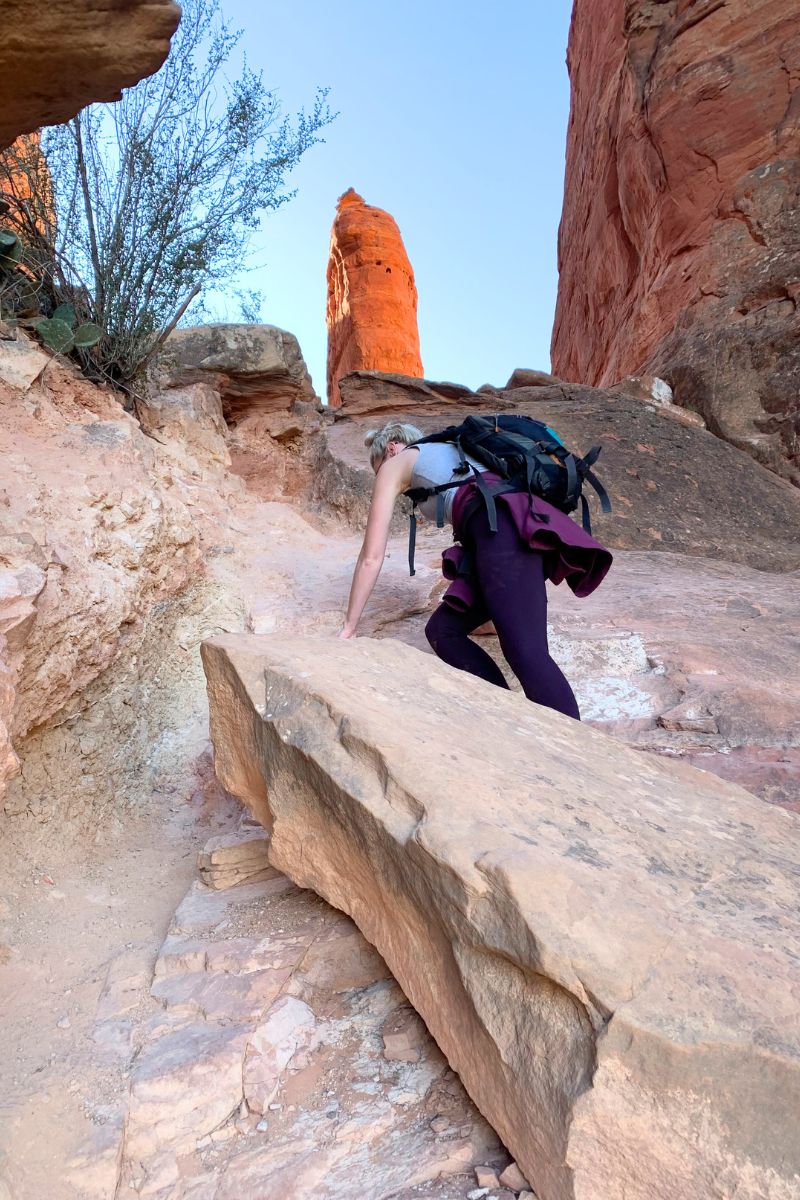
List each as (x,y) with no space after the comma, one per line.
(674,486)
(253,368)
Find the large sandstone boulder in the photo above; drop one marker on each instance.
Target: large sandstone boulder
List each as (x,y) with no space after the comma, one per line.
(679,248)
(604,944)
(372,297)
(674,486)
(253,368)
(58,57)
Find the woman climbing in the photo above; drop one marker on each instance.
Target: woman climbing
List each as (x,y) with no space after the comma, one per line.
(496,576)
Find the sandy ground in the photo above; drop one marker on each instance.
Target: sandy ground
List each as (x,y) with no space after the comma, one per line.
(78,898)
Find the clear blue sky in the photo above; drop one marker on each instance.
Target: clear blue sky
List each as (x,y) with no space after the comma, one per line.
(453,118)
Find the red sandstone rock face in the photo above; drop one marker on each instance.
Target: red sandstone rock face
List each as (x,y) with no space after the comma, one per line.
(679,245)
(372,297)
(55,58)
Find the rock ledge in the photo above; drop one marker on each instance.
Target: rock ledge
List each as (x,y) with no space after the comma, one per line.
(604,944)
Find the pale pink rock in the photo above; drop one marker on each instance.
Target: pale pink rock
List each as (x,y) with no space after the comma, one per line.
(289,1028)
(92,537)
(183,1086)
(486,1177)
(401,1047)
(513,1178)
(21,362)
(638,1007)
(237,997)
(330,1121)
(235,858)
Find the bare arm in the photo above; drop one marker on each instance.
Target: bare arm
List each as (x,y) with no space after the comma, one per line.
(392,479)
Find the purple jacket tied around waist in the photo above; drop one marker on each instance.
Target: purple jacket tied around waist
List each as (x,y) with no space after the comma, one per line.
(569,552)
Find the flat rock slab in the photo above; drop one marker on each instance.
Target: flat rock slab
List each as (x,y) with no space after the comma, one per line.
(604,944)
(244,1090)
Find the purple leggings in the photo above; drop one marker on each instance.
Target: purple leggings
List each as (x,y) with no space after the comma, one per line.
(511,592)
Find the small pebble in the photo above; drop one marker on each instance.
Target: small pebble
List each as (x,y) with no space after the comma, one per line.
(63,1023)
(477,1193)
(486,1177)
(513,1178)
(262,1126)
(275,1107)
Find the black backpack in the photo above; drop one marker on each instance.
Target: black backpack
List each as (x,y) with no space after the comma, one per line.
(527,455)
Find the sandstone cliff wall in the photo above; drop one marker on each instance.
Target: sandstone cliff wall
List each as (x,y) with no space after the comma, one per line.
(679,249)
(94,538)
(110,532)
(372,297)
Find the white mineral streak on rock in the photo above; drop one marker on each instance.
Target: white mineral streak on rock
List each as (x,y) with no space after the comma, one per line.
(603,943)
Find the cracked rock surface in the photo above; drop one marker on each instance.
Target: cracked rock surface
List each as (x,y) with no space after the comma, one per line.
(603,943)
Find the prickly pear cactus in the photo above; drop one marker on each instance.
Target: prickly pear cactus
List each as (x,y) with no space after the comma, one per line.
(87,335)
(11,250)
(58,334)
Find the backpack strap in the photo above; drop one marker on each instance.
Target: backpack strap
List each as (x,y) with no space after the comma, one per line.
(463,467)
(412,539)
(487,496)
(415,495)
(573,483)
(586,520)
(440,510)
(602,494)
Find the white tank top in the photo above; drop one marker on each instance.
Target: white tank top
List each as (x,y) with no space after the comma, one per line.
(436,463)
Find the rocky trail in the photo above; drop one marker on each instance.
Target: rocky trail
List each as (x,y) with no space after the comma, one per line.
(204,1034)
(399,935)
(136,1045)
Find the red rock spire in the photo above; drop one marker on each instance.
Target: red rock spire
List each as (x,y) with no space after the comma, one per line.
(372,297)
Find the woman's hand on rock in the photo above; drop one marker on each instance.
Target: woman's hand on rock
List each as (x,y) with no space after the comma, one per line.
(346,634)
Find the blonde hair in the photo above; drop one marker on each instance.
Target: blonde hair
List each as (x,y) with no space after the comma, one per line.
(396,431)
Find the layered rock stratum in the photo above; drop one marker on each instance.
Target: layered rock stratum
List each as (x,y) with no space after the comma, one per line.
(254,368)
(679,250)
(582,927)
(56,58)
(372,296)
